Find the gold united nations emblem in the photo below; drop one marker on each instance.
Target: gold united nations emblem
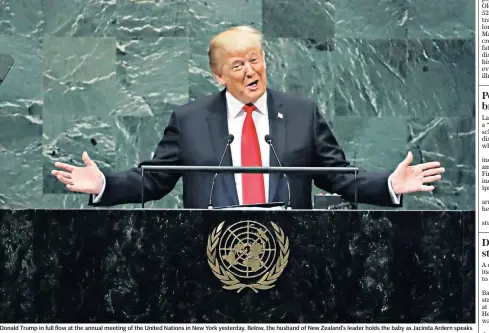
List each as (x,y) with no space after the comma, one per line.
(247,255)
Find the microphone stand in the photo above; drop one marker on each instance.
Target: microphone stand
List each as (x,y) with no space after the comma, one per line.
(229,140)
(268,139)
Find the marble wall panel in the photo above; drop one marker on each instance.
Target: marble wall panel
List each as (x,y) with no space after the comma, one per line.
(166,18)
(137,138)
(209,17)
(77,18)
(449,141)
(370,77)
(440,79)
(201,79)
(21,92)
(79,93)
(21,18)
(302,67)
(441,20)
(20,161)
(306,19)
(371,19)
(21,124)
(151,72)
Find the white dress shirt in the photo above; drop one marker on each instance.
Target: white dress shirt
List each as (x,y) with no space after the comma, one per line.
(236,117)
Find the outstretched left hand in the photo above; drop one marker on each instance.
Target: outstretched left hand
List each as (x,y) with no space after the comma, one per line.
(409,179)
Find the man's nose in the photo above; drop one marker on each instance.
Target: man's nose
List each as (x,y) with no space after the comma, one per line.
(249,70)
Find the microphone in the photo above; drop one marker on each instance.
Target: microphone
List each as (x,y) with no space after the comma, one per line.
(6,62)
(269,140)
(229,140)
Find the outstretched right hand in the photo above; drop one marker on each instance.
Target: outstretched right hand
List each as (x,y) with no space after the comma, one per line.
(88,179)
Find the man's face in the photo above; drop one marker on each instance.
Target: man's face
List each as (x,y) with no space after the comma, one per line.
(243,74)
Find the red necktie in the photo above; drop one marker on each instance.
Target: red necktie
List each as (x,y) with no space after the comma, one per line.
(253,184)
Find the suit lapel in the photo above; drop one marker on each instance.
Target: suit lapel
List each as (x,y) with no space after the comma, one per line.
(218,130)
(276,120)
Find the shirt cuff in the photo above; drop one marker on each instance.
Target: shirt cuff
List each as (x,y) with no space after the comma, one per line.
(99,196)
(396,198)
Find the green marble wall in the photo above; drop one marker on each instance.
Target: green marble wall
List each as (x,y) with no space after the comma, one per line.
(104,76)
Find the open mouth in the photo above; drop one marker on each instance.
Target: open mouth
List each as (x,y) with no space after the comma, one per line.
(253,84)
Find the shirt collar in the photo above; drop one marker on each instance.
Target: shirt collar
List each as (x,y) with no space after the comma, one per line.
(235,106)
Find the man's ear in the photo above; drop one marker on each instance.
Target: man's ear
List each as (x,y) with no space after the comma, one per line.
(264,60)
(219,78)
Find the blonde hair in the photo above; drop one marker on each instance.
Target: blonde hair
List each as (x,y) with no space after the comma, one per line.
(235,39)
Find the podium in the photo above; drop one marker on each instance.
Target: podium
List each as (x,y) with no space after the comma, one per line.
(152,266)
(155,166)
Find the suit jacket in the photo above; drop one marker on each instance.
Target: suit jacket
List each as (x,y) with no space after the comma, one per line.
(196,135)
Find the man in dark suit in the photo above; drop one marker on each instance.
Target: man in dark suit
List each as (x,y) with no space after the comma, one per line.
(197,132)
